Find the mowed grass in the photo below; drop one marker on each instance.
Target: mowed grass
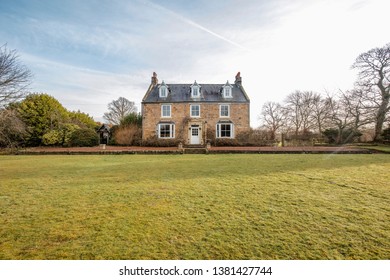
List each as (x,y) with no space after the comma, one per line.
(195,207)
(379,148)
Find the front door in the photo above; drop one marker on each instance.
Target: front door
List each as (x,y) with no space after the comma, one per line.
(195,135)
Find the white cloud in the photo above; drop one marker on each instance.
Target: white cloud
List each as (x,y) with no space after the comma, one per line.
(84,89)
(279,46)
(192,23)
(310,47)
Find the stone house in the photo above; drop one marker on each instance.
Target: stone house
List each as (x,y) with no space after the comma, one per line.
(194,113)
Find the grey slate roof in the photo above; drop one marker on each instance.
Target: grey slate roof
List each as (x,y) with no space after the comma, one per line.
(208,93)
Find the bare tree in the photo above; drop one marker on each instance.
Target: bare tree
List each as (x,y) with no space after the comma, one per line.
(321,112)
(119,109)
(299,107)
(273,117)
(349,112)
(14,77)
(12,128)
(374,77)
(359,108)
(339,117)
(292,109)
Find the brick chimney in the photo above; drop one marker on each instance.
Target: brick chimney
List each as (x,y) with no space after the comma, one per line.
(238,80)
(154,79)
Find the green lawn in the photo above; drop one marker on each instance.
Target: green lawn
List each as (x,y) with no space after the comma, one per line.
(195,207)
(379,148)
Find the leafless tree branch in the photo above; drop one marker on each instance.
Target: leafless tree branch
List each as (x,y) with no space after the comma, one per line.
(119,109)
(374,78)
(14,77)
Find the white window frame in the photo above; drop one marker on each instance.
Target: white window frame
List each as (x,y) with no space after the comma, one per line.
(194,116)
(171,130)
(227,90)
(195,88)
(162,110)
(220,111)
(219,127)
(163,89)
(163,92)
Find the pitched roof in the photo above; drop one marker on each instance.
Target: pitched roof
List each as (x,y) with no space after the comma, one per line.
(103,128)
(208,93)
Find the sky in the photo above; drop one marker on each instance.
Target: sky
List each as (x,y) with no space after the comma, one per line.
(91,52)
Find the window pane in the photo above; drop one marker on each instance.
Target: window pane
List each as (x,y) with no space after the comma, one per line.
(227,92)
(166,110)
(165,130)
(195,110)
(163,92)
(224,110)
(224,130)
(195,91)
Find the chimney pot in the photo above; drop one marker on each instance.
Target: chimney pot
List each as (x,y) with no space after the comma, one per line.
(154,79)
(238,80)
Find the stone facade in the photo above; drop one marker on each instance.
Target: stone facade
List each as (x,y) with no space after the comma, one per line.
(193,121)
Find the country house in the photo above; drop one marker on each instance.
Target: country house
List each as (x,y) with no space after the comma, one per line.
(194,113)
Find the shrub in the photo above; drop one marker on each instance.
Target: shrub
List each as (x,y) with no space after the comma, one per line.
(252,137)
(84,137)
(41,113)
(128,135)
(51,138)
(60,136)
(386,134)
(156,142)
(132,119)
(12,129)
(255,137)
(82,120)
(210,136)
(336,136)
(226,142)
(302,136)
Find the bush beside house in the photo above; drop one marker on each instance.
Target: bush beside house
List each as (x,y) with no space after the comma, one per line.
(84,137)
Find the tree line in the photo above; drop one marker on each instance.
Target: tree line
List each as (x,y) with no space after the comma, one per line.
(40,119)
(341,116)
(35,119)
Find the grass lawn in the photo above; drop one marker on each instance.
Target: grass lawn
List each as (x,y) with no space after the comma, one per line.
(379,148)
(195,207)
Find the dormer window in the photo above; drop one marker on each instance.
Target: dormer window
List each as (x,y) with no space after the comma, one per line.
(227,90)
(195,90)
(163,90)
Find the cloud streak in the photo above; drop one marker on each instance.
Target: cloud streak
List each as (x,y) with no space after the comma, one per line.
(193,24)
(86,55)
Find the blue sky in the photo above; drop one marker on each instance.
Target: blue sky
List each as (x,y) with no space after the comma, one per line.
(88,53)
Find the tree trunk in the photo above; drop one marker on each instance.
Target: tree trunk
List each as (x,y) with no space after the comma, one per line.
(339,138)
(380,118)
(273,134)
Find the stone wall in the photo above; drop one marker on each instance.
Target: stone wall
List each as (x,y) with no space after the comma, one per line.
(181,117)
